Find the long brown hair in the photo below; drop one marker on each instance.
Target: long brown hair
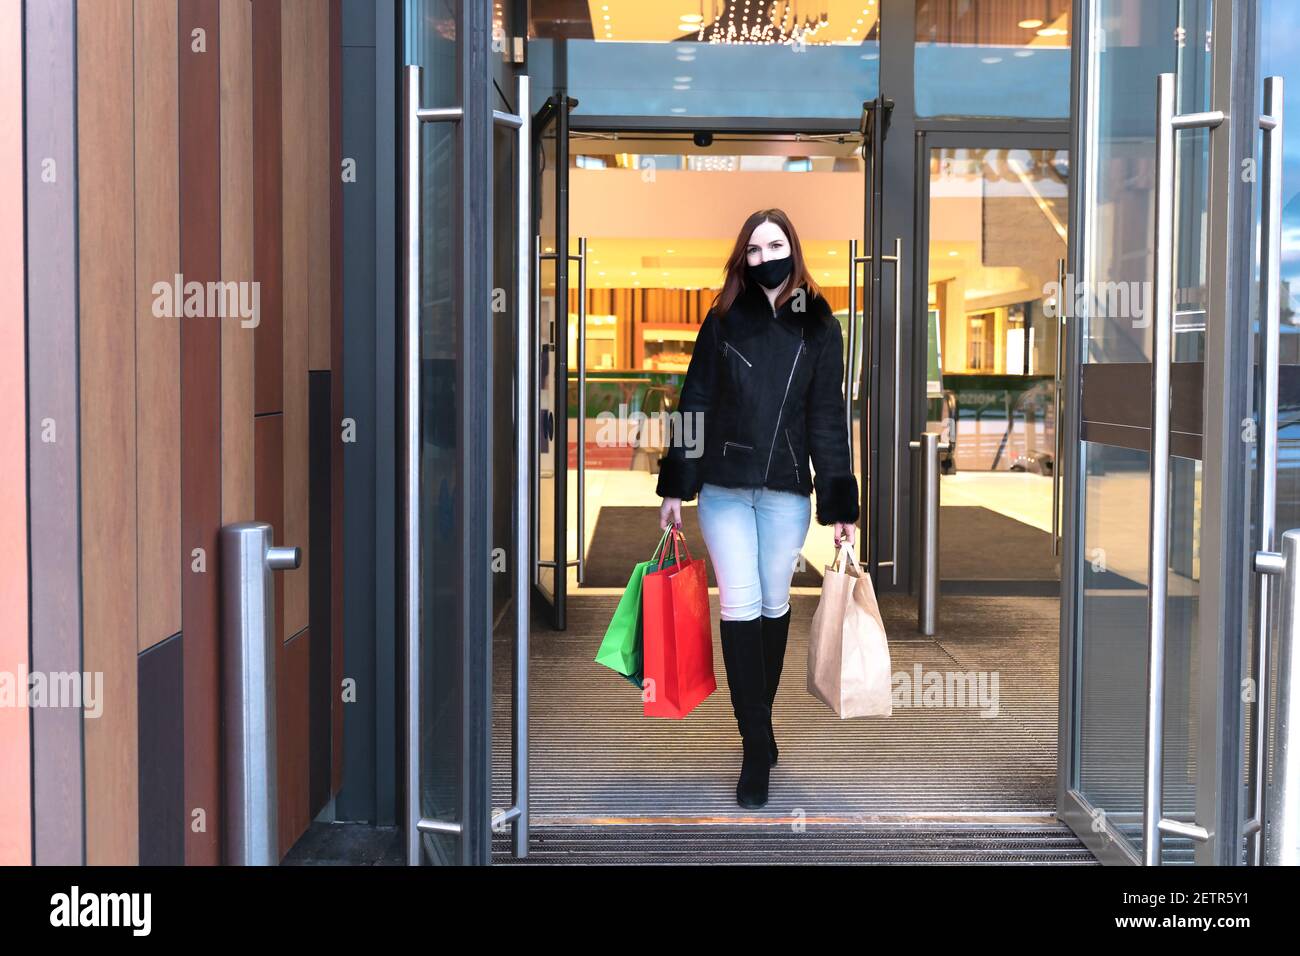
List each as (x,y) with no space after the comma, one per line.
(734,270)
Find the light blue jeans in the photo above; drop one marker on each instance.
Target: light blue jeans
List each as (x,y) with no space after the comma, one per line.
(754,536)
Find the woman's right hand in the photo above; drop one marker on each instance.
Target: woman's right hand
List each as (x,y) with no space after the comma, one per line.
(670,512)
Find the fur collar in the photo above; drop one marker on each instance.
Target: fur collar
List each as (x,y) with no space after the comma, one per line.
(753,304)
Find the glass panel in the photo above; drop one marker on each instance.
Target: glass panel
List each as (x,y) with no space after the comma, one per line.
(1135,41)
(993,58)
(1280,56)
(441,702)
(714,58)
(997,231)
(549,417)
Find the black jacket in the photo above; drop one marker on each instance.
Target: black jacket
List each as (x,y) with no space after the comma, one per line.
(762,393)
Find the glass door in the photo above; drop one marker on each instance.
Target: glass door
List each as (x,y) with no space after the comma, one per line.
(464,162)
(1149,679)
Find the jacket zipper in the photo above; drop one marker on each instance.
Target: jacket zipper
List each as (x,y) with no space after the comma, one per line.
(728,345)
(792,455)
(780,410)
(737,444)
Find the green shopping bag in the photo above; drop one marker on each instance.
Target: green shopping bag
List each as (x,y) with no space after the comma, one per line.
(621,648)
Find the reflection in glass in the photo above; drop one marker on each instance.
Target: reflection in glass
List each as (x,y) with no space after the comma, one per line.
(993,58)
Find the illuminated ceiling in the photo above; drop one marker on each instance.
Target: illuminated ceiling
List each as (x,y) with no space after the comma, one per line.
(842,21)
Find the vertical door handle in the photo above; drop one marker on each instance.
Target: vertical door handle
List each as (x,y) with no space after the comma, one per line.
(524,450)
(857,335)
(1058,444)
(1167,124)
(1270,282)
(535,407)
(897,260)
(581,259)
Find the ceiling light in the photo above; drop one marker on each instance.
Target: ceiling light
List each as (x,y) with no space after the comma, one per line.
(690,18)
(1051,32)
(1030,24)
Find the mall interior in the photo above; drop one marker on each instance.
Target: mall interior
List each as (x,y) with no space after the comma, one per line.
(483,237)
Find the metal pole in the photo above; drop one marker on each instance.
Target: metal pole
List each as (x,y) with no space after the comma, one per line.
(1282,799)
(1158,509)
(523,464)
(1154,823)
(410,456)
(248,678)
(927,607)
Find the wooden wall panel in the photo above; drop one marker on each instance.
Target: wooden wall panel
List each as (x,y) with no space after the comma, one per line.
(292,731)
(162,754)
(53,414)
(318,175)
(15,742)
(236,258)
(295,126)
(108,460)
(200,178)
(157,337)
(268,253)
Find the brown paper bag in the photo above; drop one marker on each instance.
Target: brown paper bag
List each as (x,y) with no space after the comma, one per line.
(848,656)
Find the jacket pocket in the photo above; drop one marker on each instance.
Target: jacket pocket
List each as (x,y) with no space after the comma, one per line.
(735,444)
(728,345)
(793,457)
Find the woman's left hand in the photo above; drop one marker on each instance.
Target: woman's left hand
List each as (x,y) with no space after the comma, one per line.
(844,532)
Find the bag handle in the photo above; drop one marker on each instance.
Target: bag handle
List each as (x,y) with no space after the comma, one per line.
(846,551)
(662,539)
(678,539)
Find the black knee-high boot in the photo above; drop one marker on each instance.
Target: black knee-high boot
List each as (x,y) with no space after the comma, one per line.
(742,655)
(775,632)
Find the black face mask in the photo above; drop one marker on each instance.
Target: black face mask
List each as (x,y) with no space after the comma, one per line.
(771,273)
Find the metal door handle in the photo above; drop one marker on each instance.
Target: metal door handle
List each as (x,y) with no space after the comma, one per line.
(856,334)
(897,260)
(1270,282)
(1056,409)
(1167,124)
(518,812)
(581,258)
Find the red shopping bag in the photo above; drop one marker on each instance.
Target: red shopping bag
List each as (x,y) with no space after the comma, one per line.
(677,635)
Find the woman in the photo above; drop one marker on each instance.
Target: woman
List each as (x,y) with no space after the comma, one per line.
(763,391)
